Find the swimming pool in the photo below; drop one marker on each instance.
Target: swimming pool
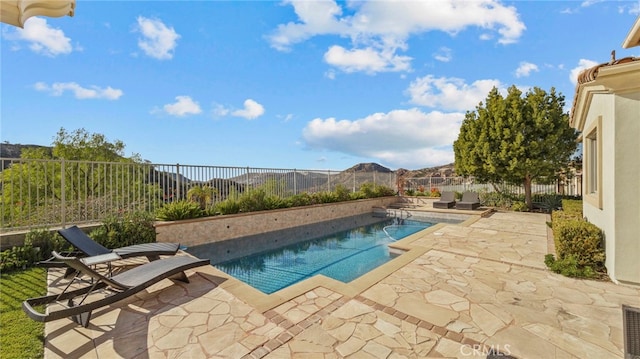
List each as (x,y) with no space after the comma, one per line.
(343,256)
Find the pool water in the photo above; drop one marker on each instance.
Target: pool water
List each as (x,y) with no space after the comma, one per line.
(343,256)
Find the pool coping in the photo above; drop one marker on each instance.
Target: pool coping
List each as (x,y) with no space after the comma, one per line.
(264,302)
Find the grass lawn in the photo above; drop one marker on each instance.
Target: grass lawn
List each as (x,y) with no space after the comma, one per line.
(20,336)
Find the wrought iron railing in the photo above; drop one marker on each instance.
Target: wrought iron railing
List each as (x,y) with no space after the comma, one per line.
(46,193)
(50,193)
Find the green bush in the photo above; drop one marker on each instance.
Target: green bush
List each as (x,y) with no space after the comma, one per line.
(228,206)
(519,206)
(125,230)
(411,192)
(572,206)
(300,199)
(18,257)
(179,210)
(569,267)
(383,191)
(38,245)
(342,193)
(257,200)
(45,241)
(367,190)
(581,240)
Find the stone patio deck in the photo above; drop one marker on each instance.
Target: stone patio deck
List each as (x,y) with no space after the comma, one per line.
(458,292)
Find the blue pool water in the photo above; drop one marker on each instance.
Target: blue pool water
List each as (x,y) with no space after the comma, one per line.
(343,256)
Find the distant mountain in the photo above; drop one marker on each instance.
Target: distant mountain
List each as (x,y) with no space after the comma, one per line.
(447,170)
(8,150)
(368,167)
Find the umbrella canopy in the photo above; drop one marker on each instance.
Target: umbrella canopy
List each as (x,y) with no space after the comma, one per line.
(16,12)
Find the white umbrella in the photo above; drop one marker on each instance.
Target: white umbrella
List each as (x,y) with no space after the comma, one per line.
(16,12)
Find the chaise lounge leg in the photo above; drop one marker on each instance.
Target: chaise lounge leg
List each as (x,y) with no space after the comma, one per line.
(82,318)
(180,276)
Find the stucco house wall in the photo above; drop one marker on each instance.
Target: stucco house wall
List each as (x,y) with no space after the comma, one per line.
(608,103)
(618,212)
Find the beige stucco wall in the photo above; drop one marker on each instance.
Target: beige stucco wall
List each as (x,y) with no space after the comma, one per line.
(627,187)
(602,106)
(220,228)
(619,216)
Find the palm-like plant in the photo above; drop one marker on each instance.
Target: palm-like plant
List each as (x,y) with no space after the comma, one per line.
(202,195)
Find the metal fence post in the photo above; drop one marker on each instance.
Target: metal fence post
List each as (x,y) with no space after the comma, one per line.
(63,197)
(295,181)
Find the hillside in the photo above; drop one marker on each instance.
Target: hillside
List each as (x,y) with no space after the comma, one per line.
(8,150)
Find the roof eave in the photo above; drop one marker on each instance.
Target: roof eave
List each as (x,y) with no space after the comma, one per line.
(633,38)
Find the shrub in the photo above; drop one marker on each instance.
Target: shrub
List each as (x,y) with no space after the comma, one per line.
(367,190)
(410,192)
(125,230)
(519,206)
(228,206)
(549,202)
(572,206)
(435,192)
(495,199)
(38,245)
(300,199)
(581,240)
(383,191)
(257,200)
(342,193)
(45,241)
(18,257)
(179,210)
(569,267)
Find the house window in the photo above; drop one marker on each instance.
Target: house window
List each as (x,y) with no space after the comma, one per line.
(593,164)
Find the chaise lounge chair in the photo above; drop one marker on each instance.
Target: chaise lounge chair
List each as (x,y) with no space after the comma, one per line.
(447,200)
(118,287)
(91,248)
(469,200)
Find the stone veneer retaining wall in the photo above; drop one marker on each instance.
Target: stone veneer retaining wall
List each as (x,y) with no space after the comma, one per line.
(221,228)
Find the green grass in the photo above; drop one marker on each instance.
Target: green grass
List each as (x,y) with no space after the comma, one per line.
(20,336)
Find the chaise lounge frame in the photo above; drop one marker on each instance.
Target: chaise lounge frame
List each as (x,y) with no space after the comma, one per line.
(120,286)
(88,247)
(470,200)
(447,200)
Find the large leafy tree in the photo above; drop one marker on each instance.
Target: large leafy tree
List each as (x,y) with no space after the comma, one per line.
(89,174)
(516,139)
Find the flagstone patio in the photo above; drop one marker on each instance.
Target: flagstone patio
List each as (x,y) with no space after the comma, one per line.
(460,291)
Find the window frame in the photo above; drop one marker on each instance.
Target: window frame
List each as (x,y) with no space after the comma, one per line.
(592,147)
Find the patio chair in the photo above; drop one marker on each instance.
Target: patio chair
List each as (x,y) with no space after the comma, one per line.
(118,287)
(88,247)
(447,200)
(470,200)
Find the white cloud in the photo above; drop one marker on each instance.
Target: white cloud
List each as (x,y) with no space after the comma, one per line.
(183,106)
(525,69)
(583,64)
(444,54)
(367,60)
(41,38)
(449,93)
(251,110)
(407,138)
(82,93)
(158,40)
(379,29)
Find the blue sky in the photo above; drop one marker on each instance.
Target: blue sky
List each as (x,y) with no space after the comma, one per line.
(292,84)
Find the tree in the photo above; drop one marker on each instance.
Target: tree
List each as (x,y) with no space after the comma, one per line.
(516,139)
(84,171)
